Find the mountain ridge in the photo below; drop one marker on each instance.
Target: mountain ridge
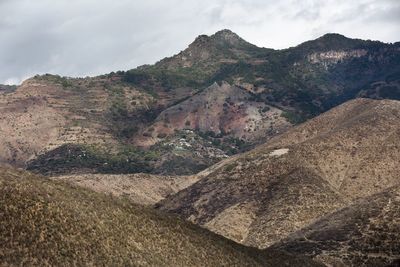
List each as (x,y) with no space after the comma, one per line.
(119,110)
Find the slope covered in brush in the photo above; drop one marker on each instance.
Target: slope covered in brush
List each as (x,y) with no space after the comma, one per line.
(44,222)
(365,233)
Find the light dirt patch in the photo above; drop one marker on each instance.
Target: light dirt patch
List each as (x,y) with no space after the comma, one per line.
(279,152)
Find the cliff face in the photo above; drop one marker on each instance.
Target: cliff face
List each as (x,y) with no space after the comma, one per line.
(333,57)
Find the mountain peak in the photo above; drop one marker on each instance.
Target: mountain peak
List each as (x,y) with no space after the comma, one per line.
(227,37)
(333,35)
(223,37)
(223,45)
(225,33)
(332,41)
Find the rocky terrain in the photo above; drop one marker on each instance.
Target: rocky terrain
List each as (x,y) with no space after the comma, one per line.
(48,223)
(262,196)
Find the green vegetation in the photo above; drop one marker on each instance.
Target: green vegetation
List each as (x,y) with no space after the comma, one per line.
(292,117)
(153,77)
(65,82)
(74,157)
(230,145)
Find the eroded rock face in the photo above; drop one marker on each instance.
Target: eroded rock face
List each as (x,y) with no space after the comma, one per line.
(366,233)
(225,110)
(333,57)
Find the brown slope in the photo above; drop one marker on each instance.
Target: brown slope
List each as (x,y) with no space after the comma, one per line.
(48,223)
(349,152)
(143,189)
(366,233)
(48,111)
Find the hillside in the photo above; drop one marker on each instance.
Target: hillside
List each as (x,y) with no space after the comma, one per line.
(223,111)
(365,233)
(7,88)
(143,189)
(47,223)
(230,94)
(259,197)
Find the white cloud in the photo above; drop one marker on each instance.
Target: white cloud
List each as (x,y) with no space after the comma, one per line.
(89,37)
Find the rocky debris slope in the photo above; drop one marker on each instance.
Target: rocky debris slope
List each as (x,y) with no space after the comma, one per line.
(224,110)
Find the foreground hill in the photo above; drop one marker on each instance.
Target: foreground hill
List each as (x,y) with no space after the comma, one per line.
(47,223)
(261,196)
(229,93)
(365,233)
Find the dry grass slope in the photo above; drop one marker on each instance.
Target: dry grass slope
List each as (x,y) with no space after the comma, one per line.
(143,189)
(49,223)
(367,233)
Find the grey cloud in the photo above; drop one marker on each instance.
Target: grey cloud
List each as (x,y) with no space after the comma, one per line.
(90,37)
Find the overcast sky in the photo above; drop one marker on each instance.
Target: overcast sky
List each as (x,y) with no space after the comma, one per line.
(90,37)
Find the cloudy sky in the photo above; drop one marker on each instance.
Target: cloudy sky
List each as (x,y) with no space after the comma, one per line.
(90,37)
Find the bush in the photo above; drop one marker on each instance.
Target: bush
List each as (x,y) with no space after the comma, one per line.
(161,135)
(292,117)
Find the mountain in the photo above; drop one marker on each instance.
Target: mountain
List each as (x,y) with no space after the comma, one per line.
(365,233)
(224,46)
(221,96)
(259,197)
(307,79)
(45,222)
